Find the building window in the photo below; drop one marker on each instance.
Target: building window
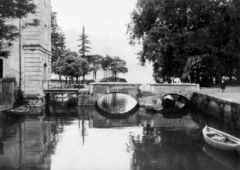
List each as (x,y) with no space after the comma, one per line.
(1,68)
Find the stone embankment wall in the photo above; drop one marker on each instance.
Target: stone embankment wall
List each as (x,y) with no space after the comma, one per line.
(226,111)
(7,87)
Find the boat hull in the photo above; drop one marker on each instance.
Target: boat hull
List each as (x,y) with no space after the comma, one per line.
(208,131)
(18,111)
(153,107)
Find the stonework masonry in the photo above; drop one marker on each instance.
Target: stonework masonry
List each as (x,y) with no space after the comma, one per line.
(35,58)
(226,111)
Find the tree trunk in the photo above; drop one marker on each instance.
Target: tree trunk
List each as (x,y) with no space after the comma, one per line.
(66,81)
(83,79)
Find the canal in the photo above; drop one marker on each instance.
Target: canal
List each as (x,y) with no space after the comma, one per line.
(68,137)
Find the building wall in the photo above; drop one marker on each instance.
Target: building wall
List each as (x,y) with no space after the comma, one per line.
(35,48)
(37,51)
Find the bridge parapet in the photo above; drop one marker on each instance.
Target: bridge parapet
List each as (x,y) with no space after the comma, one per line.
(110,87)
(186,89)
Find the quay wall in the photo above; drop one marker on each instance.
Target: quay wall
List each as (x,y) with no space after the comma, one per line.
(223,110)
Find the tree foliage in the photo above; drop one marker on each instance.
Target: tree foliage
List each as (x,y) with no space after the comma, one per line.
(106,62)
(69,64)
(57,38)
(84,48)
(10,10)
(118,66)
(174,30)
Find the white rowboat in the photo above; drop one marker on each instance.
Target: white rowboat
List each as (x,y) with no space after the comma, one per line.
(153,107)
(220,140)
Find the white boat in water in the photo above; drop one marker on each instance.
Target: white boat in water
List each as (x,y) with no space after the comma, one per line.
(220,140)
(153,107)
(62,97)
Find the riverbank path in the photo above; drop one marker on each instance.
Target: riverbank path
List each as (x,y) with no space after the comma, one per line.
(231,93)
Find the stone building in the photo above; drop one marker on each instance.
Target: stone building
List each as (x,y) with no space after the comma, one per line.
(30,60)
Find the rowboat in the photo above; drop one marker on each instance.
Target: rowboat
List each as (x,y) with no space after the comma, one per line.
(17,111)
(153,107)
(220,140)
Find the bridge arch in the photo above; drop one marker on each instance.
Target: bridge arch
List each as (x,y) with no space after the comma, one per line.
(45,72)
(100,89)
(177,97)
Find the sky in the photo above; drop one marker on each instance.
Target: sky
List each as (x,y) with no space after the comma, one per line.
(105,23)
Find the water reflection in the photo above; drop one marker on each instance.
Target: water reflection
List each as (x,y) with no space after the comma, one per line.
(116,103)
(74,138)
(229,159)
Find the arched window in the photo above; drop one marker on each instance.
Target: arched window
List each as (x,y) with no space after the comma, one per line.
(45,72)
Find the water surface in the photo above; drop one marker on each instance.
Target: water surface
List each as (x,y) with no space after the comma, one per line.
(63,138)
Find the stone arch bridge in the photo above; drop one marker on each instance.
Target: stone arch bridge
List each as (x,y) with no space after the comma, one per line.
(134,90)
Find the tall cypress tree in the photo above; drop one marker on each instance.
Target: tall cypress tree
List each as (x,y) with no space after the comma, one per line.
(84,48)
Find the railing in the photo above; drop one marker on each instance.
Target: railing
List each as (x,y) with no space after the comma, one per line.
(53,84)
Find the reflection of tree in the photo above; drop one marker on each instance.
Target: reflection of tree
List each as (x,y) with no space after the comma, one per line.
(143,148)
(166,149)
(84,130)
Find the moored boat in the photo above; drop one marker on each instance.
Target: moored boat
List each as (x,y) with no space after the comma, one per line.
(168,101)
(174,100)
(153,107)
(17,111)
(62,97)
(220,140)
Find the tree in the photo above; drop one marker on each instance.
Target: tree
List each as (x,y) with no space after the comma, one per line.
(118,66)
(69,64)
(106,62)
(84,48)
(173,31)
(9,10)
(95,61)
(57,38)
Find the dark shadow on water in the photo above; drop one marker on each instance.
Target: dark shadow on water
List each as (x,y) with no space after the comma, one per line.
(169,113)
(116,115)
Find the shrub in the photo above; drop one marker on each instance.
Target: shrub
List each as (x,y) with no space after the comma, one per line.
(113,79)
